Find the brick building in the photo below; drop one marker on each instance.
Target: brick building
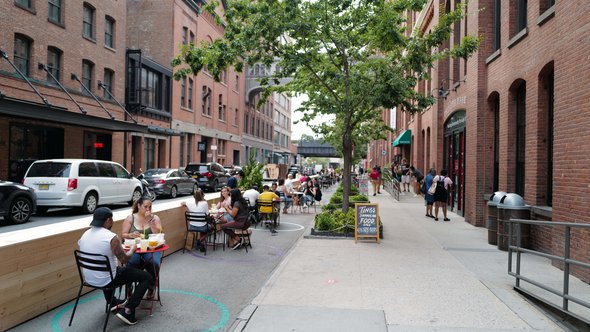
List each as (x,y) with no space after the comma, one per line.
(63,50)
(514,116)
(133,112)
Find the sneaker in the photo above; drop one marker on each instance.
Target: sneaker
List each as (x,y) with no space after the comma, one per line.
(127,318)
(447,219)
(374,194)
(273,232)
(237,245)
(118,304)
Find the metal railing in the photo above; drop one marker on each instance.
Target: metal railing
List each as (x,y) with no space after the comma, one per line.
(566,260)
(392,187)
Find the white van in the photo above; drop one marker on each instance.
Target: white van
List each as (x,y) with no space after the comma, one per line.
(84,183)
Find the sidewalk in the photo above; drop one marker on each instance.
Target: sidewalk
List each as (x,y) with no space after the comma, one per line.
(423,276)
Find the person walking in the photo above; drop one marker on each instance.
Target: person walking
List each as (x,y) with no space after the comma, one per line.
(441,195)
(428,198)
(374,175)
(405,169)
(418,176)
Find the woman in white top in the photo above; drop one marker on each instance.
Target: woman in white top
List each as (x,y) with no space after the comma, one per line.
(225,199)
(441,194)
(198,205)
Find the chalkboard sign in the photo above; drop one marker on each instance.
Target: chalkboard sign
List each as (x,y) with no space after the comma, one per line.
(366,221)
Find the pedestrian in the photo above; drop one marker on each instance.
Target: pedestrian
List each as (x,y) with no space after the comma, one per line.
(405,168)
(374,175)
(428,198)
(380,179)
(233,180)
(418,176)
(441,195)
(99,239)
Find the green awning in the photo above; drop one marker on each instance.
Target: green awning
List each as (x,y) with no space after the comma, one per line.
(403,138)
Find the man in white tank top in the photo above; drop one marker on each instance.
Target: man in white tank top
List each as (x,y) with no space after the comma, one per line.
(100,240)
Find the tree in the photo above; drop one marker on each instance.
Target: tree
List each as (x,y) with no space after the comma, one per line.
(351,58)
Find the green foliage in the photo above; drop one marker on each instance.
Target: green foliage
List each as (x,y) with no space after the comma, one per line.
(359,198)
(252,174)
(336,221)
(350,58)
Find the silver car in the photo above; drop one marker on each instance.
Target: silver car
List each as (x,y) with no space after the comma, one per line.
(169,181)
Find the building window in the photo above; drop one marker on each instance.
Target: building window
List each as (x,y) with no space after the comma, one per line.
(152,89)
(54,11)
(53,63)
(181,150)
(246,122)
(183,92)
(221,108)
(184,35)
(496,110)
(520,102)
(108,83)
(22,53)
(28,4)
(236,117)
(457,43)
(206,100)
(190,94)
(549,81)
(88,21)
(236,83)
(109,32)
(545,4)
(149,153)
(521,18)
(224,77)
(192,38)
(87,68)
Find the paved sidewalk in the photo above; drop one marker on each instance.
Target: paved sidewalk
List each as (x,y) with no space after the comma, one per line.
(423,276)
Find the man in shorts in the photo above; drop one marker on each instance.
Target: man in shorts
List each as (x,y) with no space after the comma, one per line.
(405,167)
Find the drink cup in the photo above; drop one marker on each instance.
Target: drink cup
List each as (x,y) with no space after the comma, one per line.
(144,245)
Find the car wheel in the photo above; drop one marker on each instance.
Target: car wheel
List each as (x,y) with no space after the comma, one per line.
(20,211)
(90,203)
(135,196)
(173,192)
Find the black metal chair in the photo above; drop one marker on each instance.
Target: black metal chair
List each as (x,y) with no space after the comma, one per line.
(94,262)
(208,228)
(273,216)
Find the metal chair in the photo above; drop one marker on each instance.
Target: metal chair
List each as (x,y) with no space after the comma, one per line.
(274,215)
(209,228)
(95,262)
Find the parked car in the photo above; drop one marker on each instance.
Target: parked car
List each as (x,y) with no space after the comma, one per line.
(210,176)
(84,183)
(232,169)
(170,182)
(17,202)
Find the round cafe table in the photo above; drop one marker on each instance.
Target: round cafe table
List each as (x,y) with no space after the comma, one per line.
(157,274)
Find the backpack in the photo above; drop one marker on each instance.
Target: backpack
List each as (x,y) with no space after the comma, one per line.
(440,185)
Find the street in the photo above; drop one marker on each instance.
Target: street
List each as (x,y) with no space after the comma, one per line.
(199,293)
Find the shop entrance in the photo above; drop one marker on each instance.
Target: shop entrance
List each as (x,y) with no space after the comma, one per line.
(454,159)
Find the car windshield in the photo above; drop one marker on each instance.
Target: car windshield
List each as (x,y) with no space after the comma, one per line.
(156,172)
(49,170)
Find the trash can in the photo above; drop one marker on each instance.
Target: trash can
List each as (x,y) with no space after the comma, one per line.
(512,206)
(492,218)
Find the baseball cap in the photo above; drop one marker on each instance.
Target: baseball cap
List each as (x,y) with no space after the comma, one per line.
(100,216)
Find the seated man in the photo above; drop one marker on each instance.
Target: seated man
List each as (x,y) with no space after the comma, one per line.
(269,213)
(100,240)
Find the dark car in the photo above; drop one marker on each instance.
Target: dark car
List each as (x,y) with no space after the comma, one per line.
(232,169)
(170,182)
(209,176)
(17,202)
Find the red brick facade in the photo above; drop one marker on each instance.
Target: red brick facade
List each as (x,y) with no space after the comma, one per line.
(548,57)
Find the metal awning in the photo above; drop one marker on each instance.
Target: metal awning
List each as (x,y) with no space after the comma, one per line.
(23,108)
(404,138)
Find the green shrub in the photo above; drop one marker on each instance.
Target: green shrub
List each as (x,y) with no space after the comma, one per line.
(334,221)
(359,198)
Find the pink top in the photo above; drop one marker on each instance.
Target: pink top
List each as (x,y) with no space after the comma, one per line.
(448,182)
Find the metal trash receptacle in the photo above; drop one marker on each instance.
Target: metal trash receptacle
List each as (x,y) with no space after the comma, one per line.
(492,216)
(512,206)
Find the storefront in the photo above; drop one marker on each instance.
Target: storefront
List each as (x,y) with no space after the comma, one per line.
(454,159)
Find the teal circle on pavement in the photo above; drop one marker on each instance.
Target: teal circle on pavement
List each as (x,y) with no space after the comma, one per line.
(223,320)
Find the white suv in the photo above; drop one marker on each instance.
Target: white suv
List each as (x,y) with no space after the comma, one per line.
(84,183)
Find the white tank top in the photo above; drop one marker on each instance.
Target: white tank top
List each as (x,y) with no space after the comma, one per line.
(97,240)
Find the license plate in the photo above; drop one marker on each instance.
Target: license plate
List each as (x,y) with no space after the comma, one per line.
(43,187)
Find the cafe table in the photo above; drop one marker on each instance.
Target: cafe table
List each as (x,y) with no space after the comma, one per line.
(216,214)
(157,298)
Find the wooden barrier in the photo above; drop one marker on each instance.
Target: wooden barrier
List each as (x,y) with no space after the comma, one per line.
(39,274)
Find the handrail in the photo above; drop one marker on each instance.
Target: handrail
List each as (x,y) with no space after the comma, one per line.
(564,293)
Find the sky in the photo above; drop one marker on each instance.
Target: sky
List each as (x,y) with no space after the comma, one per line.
(301,128)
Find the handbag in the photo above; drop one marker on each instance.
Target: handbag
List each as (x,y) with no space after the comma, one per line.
(432,188)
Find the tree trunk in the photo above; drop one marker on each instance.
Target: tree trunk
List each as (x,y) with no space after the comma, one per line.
(346,178)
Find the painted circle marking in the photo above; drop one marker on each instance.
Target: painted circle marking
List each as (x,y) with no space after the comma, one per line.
(223,320)
(299,228)
(277,253)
